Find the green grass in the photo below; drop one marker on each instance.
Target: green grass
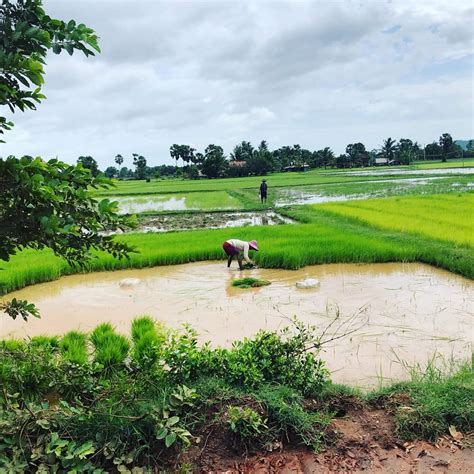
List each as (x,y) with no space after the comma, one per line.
(331,234)
(431,402)
(444,217)
(73,347)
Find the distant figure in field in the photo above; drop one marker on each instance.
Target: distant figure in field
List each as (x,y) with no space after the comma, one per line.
(263,191)
(240,249)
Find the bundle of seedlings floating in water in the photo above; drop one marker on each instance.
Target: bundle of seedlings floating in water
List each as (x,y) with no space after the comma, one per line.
(249,282)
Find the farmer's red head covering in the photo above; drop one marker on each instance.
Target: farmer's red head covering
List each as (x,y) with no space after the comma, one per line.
(253,245)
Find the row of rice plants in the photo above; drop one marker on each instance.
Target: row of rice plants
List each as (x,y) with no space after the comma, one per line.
(286,246)
(445,217)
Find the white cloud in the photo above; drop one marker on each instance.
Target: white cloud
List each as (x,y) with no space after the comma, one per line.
(320,73)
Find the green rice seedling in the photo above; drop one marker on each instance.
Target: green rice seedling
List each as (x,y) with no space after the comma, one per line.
(249,282)
(45,342)
(147,339)
(12,345)
(110,348)
(100,333)
(142,325)
(73,347)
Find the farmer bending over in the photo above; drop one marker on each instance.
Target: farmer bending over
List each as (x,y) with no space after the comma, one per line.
(235,248)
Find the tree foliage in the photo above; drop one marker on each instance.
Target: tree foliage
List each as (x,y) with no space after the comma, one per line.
(89,163)
(27,33)
(47,204)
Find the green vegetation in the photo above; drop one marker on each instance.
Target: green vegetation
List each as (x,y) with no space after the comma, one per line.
(57,415)
(443,217)
(431,402)
(59,412)
(249,282)
(325,237)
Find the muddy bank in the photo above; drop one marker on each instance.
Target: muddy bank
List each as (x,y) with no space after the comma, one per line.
(209,220)
(363,439)
(403,312)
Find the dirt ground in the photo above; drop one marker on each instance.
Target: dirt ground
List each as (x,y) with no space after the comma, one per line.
(364,441)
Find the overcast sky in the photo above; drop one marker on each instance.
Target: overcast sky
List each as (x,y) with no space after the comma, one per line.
(317,73)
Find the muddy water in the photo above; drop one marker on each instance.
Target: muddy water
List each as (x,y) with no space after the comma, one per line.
(135,205)
(403,311)
(210,220)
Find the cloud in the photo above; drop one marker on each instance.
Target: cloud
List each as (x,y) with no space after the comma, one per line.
(317,73)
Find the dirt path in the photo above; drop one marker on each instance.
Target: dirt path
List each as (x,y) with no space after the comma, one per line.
(364,442)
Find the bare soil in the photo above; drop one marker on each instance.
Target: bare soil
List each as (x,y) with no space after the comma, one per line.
(364,440)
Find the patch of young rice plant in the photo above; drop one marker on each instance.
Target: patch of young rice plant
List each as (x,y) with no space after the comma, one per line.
(46,342)
(73,347)
(110,348)
(148,339)
(445,217)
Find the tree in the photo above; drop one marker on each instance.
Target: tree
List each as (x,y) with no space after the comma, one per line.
(260,162)
(388,149)
(324,157)
(119,160)
(183,152)
(214,163)
(242,152)
(89,163)
(45,204)
(405,151)
(111,172)
(139,162)
(433,151)
(27,34)
(446,143)
(470,145)
(357,154)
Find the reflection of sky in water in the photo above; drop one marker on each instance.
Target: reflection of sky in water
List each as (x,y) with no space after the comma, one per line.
(406,172)
(135,205)
(307,196)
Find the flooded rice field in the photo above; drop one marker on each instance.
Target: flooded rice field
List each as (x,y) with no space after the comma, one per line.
(402,312)
(378,188)
(209,220)
(401,172)
(175,202)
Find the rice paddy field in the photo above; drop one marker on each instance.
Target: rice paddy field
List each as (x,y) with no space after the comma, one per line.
(422,228)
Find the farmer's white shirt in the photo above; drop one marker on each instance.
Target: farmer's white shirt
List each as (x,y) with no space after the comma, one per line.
(242,246)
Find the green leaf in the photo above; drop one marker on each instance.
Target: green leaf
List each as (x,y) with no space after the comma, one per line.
(170,439)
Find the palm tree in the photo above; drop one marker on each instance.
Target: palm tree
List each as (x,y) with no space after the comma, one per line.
(326,156)
(388,148)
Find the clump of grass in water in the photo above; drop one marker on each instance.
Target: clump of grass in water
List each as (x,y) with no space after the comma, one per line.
(111,348)
(249,282)
(147,341)
(73,347)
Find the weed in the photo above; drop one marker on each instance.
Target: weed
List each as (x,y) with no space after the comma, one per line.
(246,424)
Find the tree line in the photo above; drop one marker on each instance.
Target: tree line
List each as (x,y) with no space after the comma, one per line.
(247,160)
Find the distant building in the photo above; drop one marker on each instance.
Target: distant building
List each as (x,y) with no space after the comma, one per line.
(296,167)
(237,163)
(383,162)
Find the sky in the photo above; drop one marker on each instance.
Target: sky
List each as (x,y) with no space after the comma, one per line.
(316,73)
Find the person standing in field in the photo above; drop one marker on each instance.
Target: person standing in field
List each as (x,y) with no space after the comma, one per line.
(240,249)
(263,191)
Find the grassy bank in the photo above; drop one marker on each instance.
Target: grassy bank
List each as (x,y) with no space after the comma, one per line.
(325,237)
(103,401)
